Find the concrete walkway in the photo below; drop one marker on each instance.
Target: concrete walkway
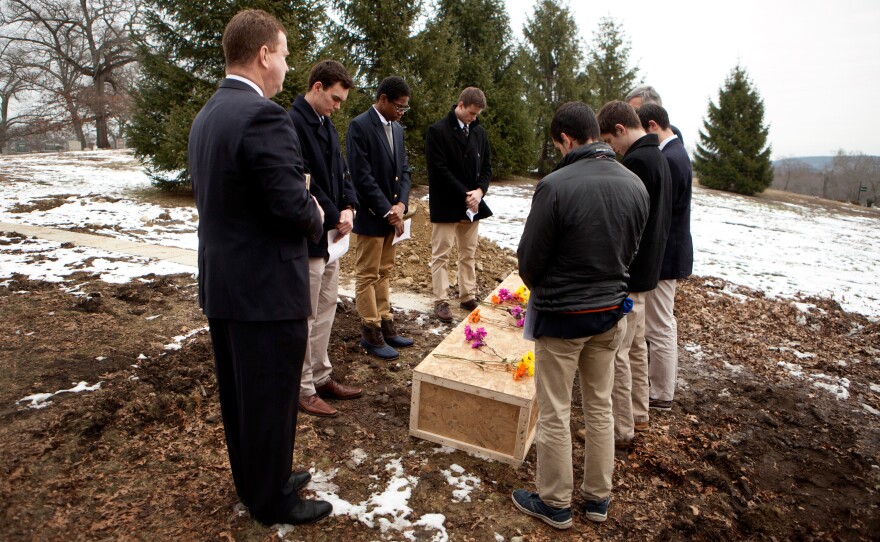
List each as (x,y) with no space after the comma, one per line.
(110,244)
(402,300)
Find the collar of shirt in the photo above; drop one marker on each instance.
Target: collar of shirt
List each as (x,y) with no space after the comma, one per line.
(381,117)
(667,140)
(460,124)
(248,81)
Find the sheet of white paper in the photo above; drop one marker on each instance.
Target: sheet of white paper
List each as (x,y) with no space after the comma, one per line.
(470,214)
(336,248)
(405,235)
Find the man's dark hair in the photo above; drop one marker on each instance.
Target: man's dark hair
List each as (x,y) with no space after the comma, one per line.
(657,113)
(330,72)
(577,121)
(472,96)
(617,112)
(393,87)
(247,32)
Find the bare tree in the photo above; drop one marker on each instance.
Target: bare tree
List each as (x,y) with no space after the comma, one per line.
(76,38)
(790,174)
(852,171)
(15,82)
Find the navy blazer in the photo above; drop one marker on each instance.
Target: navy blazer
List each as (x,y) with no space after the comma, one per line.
(255,213)
(323,160)
(456,164)
(645,160)
(380,179)
(678,261)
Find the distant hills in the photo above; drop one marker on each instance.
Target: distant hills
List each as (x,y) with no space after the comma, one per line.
(816,162)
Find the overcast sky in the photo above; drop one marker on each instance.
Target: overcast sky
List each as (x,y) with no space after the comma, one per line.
(815,64)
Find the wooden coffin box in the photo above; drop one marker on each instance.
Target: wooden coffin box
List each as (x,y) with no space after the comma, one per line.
(459,404)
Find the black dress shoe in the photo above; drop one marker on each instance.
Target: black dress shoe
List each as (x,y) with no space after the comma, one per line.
(298,480)
(307,511)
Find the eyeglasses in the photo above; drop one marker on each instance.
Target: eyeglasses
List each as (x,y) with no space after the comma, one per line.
(400,108)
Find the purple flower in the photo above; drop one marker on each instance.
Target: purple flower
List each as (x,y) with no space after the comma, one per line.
(468,333)
(480,333)
(477,343)
(521,322)
(504,294)
(516,311)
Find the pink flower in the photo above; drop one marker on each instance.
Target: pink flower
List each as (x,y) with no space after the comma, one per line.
(468,333)
(477,343)
(516,311)
(521,322)
(504,294)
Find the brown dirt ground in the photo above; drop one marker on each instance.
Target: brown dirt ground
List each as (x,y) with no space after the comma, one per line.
(748,453)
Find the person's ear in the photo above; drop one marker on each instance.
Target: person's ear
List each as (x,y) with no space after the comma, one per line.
(619,130)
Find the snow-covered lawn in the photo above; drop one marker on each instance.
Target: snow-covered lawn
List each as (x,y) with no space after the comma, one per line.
(780,248)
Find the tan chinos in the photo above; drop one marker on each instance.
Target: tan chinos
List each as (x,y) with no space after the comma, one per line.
(556,361)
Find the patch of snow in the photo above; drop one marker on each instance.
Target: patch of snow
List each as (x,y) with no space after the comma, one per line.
(179,339)
(839,391)
(358,456)
(732,368)
(464,483)
(871,410)
(387,509)
(41,400)
(874,387)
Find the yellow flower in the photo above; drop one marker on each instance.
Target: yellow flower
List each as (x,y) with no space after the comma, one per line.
(524,293)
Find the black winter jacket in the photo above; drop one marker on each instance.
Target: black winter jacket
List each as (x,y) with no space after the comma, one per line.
(582,232)
(456,164)
(645,160)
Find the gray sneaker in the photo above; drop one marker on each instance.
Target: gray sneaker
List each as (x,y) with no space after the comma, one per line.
(531,504)
(597,511)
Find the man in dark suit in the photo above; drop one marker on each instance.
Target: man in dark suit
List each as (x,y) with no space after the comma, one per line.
(329,84)
(381,175)
(255,216)
(661,329)
(620,127)
(459,170)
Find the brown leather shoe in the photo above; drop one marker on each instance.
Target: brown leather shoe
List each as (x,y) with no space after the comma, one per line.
(470,304)
(441,311)
(641,427)
(334,390)
(316,406)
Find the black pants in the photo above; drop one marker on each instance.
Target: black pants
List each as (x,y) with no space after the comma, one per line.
(258,366)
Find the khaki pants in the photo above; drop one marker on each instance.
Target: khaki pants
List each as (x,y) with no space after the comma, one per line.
(630,396)
(661,333)
(374,258)
(324,291)
(465,236)
(555,363)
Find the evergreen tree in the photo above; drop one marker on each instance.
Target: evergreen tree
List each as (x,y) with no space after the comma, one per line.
(733,153)
(181,58)
(608,75)
(488,58)
(553,53)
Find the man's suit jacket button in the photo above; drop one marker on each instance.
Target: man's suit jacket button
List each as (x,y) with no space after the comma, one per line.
(395,179)
(395,196)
